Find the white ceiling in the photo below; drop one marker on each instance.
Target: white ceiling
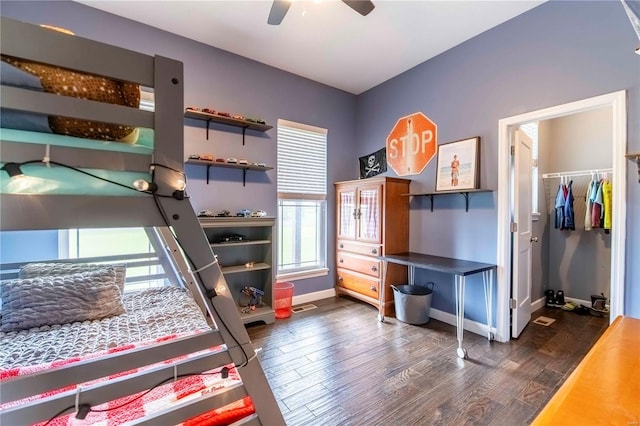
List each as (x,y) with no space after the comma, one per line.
(325,40)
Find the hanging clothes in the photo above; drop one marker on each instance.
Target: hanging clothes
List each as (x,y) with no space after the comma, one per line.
(559,207)
(569,222)
(596,206)
(587,215)
(607,193)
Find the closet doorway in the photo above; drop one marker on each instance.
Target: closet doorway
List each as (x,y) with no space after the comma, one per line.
(513,285)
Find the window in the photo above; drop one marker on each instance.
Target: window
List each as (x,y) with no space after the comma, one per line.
(302,193)
(86,243)
(531,130)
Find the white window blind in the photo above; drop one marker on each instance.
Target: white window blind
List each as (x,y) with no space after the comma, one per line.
(302,161)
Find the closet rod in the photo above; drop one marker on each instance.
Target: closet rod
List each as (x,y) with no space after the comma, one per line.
(576,173)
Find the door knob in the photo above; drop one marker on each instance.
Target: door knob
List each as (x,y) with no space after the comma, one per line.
(534,239)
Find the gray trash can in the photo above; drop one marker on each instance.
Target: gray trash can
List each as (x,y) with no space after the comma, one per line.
(412,303)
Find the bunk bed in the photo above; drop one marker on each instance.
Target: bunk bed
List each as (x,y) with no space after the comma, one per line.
(77,178)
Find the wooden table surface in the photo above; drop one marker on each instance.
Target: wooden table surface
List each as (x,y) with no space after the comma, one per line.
(604,389)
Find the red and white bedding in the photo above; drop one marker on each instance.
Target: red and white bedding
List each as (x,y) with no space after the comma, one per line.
(152,316)
(144,403)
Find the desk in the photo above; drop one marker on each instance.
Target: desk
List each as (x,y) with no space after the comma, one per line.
(460,269)
(604,388)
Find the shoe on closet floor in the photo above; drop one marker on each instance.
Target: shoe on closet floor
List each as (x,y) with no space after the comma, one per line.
(559,298)
(598,301)
(551,298)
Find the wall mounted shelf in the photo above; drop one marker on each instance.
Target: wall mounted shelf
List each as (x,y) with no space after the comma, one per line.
(243,167)
(213,118)
(465,193)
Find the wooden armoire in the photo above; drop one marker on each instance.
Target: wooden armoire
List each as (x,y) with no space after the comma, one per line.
(372,220)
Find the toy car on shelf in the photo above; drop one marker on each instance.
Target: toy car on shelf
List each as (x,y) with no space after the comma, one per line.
(207,157)
(231,238)
(244,213)
(243,161)
(258,213)
(232,160)
(194,157)
(209,110)
(224,114)
(192,108)
(238,116)
(206,213)
(223,213)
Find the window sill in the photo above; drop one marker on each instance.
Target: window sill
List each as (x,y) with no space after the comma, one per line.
(301,275)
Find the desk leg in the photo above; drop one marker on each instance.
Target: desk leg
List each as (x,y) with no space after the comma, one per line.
(385,265)
(459,285)
(487,280)
(412,275)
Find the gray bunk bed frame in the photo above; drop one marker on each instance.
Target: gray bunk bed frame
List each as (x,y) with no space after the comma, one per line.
(31,212)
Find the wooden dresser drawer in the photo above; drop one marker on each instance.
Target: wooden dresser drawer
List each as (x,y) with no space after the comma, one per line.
(363,264)
(358,283)
(360,248)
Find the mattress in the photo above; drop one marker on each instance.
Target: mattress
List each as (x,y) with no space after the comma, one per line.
(150,314)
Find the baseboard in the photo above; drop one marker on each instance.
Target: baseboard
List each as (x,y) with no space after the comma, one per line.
(469,325)
(540,303)
(316,295)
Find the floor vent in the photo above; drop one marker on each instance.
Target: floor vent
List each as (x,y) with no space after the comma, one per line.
(302,308)
(546,321)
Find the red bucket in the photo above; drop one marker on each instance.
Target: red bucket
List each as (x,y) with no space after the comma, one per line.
(283,299)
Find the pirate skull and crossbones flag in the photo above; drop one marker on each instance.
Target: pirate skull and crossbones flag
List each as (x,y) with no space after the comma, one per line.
(373,164)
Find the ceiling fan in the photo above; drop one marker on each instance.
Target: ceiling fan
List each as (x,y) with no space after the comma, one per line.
(279,9)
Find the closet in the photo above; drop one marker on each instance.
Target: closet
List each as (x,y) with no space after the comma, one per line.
(571,255)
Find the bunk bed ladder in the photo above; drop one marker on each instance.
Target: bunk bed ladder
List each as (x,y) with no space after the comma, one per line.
(205,278)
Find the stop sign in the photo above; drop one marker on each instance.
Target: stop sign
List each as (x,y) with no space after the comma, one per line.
(411,144)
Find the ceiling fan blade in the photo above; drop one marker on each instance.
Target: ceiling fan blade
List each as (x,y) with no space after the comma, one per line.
(363,7)
(279,9)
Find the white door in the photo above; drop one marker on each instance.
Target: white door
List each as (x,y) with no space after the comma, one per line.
(522,238)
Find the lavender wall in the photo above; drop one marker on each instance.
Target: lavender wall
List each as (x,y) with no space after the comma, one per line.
(228,82)
(556,53)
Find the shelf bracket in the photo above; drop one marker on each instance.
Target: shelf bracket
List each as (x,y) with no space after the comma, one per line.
(244,176)
(431,198)
(208,167)
(466,200)
(244,131)
(208,121)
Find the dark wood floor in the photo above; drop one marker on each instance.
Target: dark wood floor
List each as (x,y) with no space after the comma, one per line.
(337,365)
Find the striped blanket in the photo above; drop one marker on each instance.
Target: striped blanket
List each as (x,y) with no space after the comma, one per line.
(144,403)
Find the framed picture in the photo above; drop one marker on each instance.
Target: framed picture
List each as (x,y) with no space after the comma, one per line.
(458,165)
